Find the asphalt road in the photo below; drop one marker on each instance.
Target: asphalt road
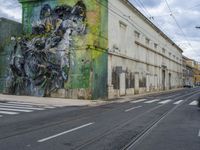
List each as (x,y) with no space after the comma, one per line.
(169,121)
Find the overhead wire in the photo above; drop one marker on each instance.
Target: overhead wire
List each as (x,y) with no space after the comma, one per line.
(134,24)
(151,17)
(177,12)
(178,25)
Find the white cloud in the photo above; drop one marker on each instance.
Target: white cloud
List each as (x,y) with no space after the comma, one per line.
(11,9)
(187,15)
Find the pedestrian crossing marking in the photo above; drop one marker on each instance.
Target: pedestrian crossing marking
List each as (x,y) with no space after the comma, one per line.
(178,102)
(165,101)
(9,112)
(15,110)
(193,103)
(30,104)
(145,101)
(152,101)
(23,103)
(137,101)
(20,107)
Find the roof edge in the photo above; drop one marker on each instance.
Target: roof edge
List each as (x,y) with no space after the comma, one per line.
(150,23)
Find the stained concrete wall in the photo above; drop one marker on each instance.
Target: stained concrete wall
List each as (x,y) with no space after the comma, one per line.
(140,56)
(8,28)
(64,50)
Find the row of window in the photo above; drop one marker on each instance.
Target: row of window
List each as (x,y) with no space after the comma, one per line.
(155,45)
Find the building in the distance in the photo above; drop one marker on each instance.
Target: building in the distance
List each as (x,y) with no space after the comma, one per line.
(188,72)
(191,72)
(92,49)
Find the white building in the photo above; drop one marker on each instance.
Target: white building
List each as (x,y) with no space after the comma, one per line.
(141,57)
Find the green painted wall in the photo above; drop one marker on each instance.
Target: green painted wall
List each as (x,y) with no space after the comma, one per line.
(8,28)
(89,69)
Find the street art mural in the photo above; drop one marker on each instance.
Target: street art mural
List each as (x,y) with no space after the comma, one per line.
(63,52)
(40,62)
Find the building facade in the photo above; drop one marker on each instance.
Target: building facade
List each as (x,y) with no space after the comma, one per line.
(91,49)
(191,72)
(141,57)
(188,72)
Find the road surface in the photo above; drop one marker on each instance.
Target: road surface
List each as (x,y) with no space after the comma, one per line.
(169,121)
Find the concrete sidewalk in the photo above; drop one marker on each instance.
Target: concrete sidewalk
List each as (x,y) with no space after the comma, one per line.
(61,102)
(46,101)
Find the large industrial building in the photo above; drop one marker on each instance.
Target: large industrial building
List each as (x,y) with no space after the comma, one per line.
(91,49)
(141,57)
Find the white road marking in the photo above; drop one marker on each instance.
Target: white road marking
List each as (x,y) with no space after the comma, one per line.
(62,133)
(165,101)
(193,103)
(24,103)
(199,134)
(17,110)
(132,108)
(20,107)
(137,101)
(49,107)
(178,102)
(30,104)
(8,113)
(152,101)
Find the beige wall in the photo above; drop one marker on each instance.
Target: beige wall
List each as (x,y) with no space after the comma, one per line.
(136,56)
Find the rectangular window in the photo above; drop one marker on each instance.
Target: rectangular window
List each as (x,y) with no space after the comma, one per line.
(163,51)
(115,79)
(155,46)
(137,34)
(142,82)
(147,41)
(123,28)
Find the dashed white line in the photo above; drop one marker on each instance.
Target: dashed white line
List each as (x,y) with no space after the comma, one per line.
(62,133)
(8,113)
(137,101)
(178,102)
(199,134)
(165,101)
(132,108)
(193,103)
(152,101)
(17,110)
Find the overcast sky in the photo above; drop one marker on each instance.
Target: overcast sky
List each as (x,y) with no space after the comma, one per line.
(183,33)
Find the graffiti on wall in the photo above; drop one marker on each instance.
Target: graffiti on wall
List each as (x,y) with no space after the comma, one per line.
(40,63)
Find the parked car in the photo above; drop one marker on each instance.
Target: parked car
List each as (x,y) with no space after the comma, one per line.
(188,86)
